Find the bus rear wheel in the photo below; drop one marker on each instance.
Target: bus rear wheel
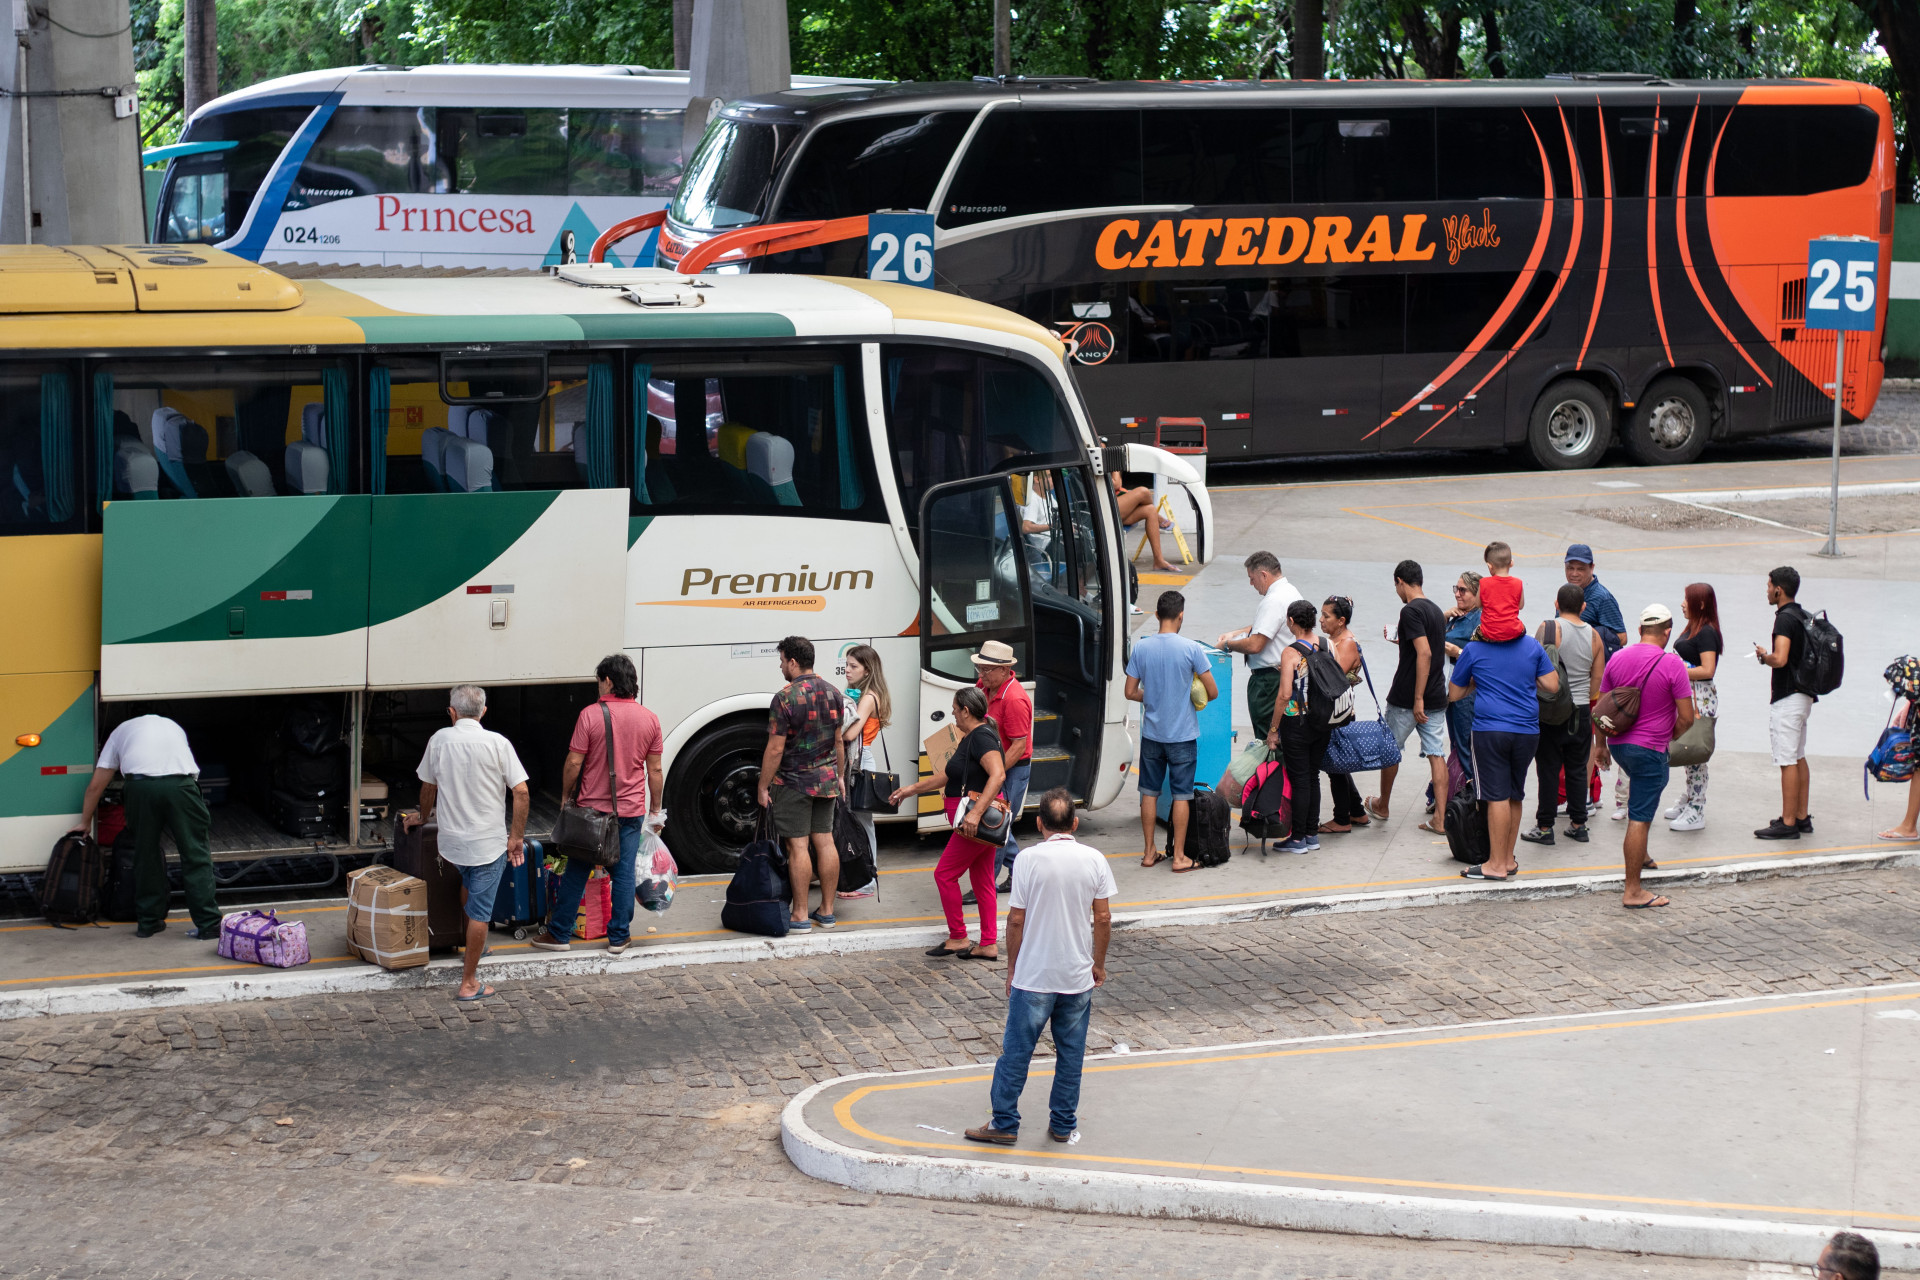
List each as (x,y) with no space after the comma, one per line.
(1571,426)
(1670,423)
(713,800)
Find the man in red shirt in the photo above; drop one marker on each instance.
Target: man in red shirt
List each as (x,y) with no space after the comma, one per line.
(637,742)
(1010,708)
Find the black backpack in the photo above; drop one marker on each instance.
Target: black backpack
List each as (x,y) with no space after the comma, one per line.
(858,867)
(1823,658)
(118,903)
(1208,821)
(76,874)
(760,893)
(1556,708)
(1467,836)
(1329,696)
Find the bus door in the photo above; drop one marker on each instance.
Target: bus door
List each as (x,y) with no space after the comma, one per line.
(1071,626)
(974,588)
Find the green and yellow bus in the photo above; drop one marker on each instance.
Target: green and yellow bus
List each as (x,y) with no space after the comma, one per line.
(275,509)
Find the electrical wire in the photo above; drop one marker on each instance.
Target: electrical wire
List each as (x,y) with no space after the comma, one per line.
(87,35)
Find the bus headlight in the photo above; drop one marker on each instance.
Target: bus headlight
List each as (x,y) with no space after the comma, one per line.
(27,740)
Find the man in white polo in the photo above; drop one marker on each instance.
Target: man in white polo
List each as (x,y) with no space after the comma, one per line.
(1057,932)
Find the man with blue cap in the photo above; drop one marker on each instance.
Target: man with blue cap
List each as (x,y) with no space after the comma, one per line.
(1602,610)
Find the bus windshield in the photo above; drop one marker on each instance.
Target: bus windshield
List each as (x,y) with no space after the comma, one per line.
(207,196)
(732,171)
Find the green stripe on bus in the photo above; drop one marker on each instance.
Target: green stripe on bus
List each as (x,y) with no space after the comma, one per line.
(408,329)
(26,792)
(240,565)
(665,324)
(636,525)
(427,545)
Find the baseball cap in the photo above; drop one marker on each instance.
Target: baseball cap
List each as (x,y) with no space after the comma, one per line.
(1580,552)
(1655,615)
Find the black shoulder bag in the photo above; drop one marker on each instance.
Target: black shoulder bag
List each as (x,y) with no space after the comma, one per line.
(868,789)
(588,834)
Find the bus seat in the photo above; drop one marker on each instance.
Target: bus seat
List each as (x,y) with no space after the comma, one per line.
(249,475)
(433,456)
(469,466)
(136,473)
(770,458)
(457,418)
(307,463)
(733,444)
(168,427)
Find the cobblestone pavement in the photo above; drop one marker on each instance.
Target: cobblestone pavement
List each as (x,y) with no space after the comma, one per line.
(636,1118)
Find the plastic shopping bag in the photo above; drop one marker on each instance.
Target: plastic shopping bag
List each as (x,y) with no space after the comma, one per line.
(656,874)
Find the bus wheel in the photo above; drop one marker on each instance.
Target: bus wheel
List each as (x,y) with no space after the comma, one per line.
(713,796)
(1572,423)
(1670,423)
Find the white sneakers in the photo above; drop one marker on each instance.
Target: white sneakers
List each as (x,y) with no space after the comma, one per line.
(1673,810)
(1619,813)
(1688,820)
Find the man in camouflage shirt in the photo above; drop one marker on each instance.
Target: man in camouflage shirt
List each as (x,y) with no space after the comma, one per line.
(800,778)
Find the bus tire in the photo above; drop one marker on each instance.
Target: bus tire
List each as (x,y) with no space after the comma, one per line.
(1571,426)
(713,796)
(1670,423)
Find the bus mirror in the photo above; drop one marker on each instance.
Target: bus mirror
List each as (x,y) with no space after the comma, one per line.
(1366,128)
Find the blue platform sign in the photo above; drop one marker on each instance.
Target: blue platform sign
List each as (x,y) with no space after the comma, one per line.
(900,248)
(1843,283)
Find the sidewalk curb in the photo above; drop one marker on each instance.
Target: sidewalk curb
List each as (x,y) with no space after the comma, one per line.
(1308,1208)
(273,984)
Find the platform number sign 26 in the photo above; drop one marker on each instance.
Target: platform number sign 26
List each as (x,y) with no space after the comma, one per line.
(900,248)
(1843,283)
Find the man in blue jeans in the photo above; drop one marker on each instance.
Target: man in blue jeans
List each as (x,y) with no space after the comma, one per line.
(636,744)
(1058,925)
(1160,675)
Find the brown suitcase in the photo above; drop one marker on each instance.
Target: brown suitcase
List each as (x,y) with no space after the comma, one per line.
(417,853)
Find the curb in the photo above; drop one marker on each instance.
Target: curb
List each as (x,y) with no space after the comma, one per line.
(117,998)
(1306,1208)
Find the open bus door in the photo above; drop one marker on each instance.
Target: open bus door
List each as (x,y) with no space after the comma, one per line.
(973,588)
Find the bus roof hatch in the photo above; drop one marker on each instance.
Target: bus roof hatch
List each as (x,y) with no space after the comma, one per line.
(136,277)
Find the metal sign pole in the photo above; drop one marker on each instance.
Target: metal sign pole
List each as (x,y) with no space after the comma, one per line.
(1833,501)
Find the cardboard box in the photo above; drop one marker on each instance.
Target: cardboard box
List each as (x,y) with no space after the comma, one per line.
(940,747)
(387,917)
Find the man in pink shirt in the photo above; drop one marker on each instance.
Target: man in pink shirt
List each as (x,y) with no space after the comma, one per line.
(1666,711)
(637,743)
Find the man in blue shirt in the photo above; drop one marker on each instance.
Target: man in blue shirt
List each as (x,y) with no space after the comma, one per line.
(1602,611)
(1505,680)
(1160,675)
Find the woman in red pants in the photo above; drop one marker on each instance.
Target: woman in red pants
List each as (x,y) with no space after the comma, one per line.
(975,769)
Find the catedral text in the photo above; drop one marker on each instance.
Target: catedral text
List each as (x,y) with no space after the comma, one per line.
(750,584)
(1263,242)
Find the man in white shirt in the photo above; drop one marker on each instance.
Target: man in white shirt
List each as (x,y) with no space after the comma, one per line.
(1057,932)
(162,793)
(1258,641)
(465,779)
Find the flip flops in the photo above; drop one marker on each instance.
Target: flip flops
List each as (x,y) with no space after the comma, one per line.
(1475,873)
(1372,812)
(1650,902)
(481,994)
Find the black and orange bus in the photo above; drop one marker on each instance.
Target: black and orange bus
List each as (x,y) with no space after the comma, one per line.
(1336,267)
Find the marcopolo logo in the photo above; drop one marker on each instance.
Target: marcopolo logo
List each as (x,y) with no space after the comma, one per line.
(776,589)
(1264,242)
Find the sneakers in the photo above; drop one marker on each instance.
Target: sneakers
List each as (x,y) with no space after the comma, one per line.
(203,934)
(987,1133)
(1673,810)
(618,948)
(825,922)
(1313,844)
(1688,820)
(144,932)
(544,941)
(1298,844)
(1577,834)
(1806,825)
(1619,813)
(1777,830)
(1539,835)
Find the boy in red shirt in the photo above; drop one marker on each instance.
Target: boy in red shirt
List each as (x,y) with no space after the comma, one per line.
(1502,597)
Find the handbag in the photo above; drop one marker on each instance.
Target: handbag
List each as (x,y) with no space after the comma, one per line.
(1362,746)
(868,789)
(588,834)
(1695,746)
(996,820)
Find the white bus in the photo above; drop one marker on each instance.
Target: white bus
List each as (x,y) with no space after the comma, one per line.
(450,166)
(326,501)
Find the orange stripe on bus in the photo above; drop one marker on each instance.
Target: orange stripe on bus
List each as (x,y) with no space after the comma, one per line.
(1606,235)
(1686,252)
(1653,204)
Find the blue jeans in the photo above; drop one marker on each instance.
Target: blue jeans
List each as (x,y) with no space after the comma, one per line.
(1015,790)
(566,901)
(1027,1012)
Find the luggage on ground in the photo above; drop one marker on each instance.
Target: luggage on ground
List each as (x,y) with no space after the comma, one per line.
(656,875)
(859,868)
(760,894)
(1467,836)
(521,903)
(120,903)
(1266,805)
(417,853)
(258,937)
(303,817)
(1823,658)
(1362,746)
(387,917)
(70,892)
(1208,820)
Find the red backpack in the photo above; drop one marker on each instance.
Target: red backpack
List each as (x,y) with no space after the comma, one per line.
(1266,803)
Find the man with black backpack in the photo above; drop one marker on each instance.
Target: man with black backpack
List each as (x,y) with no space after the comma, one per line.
(1797,683)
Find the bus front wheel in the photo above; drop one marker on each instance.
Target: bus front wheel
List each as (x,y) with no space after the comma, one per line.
(713,799)
(1571,426)
(1670,423)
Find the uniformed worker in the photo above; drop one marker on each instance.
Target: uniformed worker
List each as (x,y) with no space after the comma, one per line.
(163,793)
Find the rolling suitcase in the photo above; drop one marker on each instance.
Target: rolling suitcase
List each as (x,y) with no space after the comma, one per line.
(76,873)
(417,853)
(119,905)
(521,904)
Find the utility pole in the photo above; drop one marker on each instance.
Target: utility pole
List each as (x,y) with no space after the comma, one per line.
(739,49)
(200,55)
(1003,37)
(682,34)
(1309,40)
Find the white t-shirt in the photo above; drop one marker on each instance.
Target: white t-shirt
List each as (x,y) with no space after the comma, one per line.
(1056,883)
(1270,620)
(474,769)
(149,747)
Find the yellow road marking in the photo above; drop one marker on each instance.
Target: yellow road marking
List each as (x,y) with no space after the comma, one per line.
(843,1111)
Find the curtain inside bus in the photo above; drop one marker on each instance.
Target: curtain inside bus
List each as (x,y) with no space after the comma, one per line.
(642,443)
(56,446)
(852,497)
(379,410)
(333,391)
(599,426)
(38,450)
(102,436)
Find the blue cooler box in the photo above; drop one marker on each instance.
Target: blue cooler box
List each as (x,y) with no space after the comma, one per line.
(1216,730)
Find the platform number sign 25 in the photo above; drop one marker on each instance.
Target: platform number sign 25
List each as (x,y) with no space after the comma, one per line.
(900,248)
(1843,283)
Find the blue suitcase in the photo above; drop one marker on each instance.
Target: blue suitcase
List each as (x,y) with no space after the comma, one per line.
(521,904)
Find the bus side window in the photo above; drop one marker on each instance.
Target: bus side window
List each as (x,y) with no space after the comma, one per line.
(772,433)
(1336,315)
(206,197)
(42,469)
(1363,154)
(512,151)
(1039,160)
(511,431)
(1446,312)
(1794,151)
(367,151)
(1216,156)
(874,162)
(223,428)
(1489,153)
(623,153)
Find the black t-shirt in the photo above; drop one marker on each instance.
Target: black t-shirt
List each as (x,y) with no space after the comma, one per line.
(968,756)
(1786,622)
(1421,617)
(1705,640)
